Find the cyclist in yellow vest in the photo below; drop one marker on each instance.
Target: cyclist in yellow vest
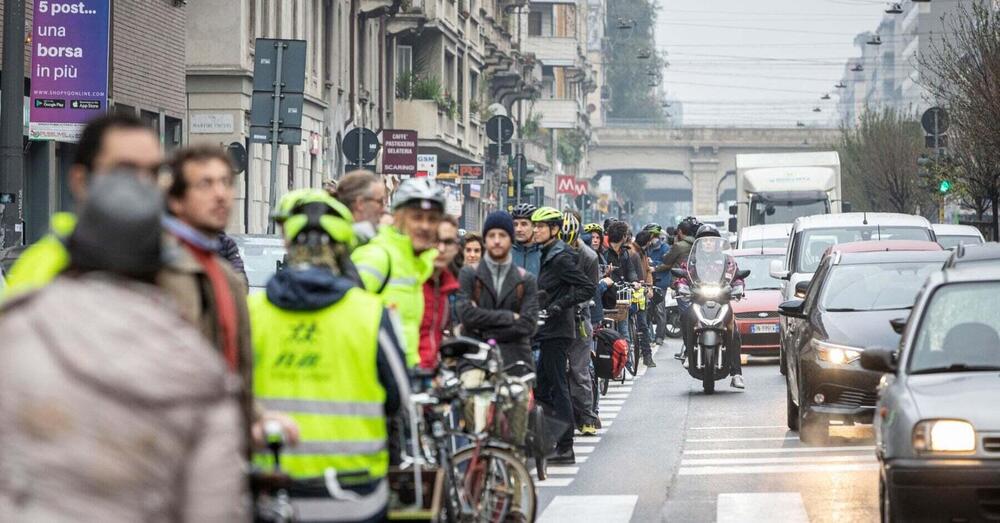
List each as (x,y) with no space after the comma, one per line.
(327,355)
(107,143)
(400,258)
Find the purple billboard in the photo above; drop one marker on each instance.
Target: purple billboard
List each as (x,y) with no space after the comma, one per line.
(69,67)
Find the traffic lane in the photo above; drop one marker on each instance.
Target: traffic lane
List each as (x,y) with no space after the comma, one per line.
(637,455)
(741,463)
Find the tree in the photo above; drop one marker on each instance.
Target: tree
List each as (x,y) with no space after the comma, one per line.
(962,72)
(879,162)
(628,75)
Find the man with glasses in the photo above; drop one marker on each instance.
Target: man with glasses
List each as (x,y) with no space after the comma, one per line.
(107,144)
(364,194)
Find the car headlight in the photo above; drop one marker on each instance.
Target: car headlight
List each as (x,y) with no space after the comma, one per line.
(944,435)
(838,354)
(710,291)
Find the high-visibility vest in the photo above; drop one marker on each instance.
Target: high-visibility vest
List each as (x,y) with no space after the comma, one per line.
(319,367)
(40,263)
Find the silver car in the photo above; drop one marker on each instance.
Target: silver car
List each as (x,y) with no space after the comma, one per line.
(262,257)
(937,421)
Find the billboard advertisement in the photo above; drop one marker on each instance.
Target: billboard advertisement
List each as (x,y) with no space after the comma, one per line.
(69,67)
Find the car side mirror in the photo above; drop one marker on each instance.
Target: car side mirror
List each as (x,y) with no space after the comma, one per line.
(898,325)
(846,206)
(732,225)
(677,272)
(792,309)
(733,210)
(879,360)
(742,274)
(777,270)
(801,288)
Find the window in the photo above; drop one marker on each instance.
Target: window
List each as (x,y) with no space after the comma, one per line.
(251,20)
(174,133)
(404,60)
(540,20)
(265,19)
(317,19)
(449,73)
(534,23)
(958,333)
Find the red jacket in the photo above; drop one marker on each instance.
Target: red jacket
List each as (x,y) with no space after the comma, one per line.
(437,316)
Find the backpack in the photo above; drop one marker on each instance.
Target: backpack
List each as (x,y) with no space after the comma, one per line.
(610,355)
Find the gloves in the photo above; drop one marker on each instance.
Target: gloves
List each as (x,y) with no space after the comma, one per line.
(554,310)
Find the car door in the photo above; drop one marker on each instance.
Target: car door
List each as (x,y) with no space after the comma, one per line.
(800,331)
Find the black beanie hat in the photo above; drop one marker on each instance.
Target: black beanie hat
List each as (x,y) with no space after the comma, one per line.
(499,220)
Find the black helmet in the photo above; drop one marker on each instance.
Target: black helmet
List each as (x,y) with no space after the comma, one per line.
(708,230)
(523,211)
(689,226)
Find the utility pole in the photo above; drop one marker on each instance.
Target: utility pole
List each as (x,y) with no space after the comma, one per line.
(12,125)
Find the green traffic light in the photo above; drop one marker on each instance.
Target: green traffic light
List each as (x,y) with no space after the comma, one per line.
(945,186)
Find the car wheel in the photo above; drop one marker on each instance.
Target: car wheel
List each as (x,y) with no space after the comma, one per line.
(791,410)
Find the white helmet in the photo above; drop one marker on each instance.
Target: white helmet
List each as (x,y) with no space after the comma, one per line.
(420,192)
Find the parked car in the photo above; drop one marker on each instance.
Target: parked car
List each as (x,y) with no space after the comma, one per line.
(937,434)
(812,235)
(262,255)
(768,236)
(757,313)
(951,236)
(971,254)
(858,288)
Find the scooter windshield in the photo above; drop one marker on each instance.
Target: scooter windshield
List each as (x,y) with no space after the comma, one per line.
(707,263)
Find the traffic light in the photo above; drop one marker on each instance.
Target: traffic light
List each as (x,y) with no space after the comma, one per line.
(584,201)
(945,186)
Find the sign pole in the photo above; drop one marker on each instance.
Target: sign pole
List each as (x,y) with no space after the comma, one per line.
(11,127)
(275,117)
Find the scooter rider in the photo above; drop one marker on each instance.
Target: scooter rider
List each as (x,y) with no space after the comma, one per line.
(689,321)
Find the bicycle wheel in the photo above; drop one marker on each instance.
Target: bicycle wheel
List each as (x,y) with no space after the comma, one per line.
(494,485)
(632,363)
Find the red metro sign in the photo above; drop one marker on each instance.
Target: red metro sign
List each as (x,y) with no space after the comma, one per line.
(570,185)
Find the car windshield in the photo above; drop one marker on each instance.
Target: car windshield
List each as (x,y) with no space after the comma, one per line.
(260,260)
(760,271)
(766,243)
(952,241)
(814,242)
(875,286)
(707,262)
(766,211)
(960,331)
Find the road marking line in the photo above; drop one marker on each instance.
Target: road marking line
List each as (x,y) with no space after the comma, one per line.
(714,440)
(583,450)
(561,470)
(776,469)
(607,509)
(606,424)
(607,415)
(613,402)
(580,459)
(781,450)
(611,408)
(753,507)
(602,430)
(776,460)
(610,396)
(554,482)
(740,428)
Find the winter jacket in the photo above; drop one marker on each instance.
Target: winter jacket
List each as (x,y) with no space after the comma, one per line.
(589,264)
(642,269)
(437,315)
(624,267)
(566,286)
(677,254)
(492,316)
(115,409)
(231,253)
(389,267)
(528,257)
(660,278)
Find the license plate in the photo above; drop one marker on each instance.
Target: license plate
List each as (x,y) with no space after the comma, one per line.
(764,328)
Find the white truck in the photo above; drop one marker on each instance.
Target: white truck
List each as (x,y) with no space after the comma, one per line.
(780,187)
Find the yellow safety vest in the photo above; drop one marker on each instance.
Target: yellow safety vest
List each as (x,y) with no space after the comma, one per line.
(319,367)
(39,264)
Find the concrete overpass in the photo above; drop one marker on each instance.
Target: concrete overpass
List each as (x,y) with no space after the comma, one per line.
(696,164)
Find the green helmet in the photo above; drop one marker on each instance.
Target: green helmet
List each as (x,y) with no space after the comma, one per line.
(592,228)
(547,215)
(314,209)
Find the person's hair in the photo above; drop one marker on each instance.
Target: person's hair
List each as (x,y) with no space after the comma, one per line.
(471,237)
(643,238)
(196,153)
(447,218)
(355,184)
(92,138)
(617,231)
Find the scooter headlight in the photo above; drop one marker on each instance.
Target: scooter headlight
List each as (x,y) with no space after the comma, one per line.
(710,291)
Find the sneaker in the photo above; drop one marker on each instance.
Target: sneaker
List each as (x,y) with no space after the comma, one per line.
(737,382)
(647,360)
(563,458)
(680,355)
(589,430)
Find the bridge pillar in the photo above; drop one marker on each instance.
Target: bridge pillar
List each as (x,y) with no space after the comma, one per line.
(704,177)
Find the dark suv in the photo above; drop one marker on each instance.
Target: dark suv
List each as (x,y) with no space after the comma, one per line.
(858,288)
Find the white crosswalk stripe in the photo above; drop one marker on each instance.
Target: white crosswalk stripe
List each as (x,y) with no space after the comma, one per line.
(760,507)
(607,509)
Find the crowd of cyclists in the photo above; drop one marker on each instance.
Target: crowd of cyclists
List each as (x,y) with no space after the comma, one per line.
(138,381)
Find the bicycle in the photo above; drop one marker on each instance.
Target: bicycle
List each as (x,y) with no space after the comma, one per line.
(272,503)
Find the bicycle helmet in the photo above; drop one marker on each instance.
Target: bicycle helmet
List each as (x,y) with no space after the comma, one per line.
(547,215)
(419,192)
(593,227)
(707,230)
(307,210)
(570,229)
(523,211)
(653,228)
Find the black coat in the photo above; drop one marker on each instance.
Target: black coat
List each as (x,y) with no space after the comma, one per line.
(566,286)
(493,316)
(231,252)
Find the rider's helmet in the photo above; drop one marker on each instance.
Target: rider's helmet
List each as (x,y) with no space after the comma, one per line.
(592,228)
(707,230)
(421,193)
(523,211)
(654,229)
(547,215)
(570,229)
(307,211)
(689,226)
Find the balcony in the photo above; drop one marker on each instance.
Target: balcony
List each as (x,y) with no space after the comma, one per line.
(559,113)
(437,132)
(553,50)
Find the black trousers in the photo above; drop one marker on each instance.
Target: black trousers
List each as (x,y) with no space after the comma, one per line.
(553,385)
(689,322)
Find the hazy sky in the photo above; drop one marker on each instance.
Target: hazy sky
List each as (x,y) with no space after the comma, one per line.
(734,62)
